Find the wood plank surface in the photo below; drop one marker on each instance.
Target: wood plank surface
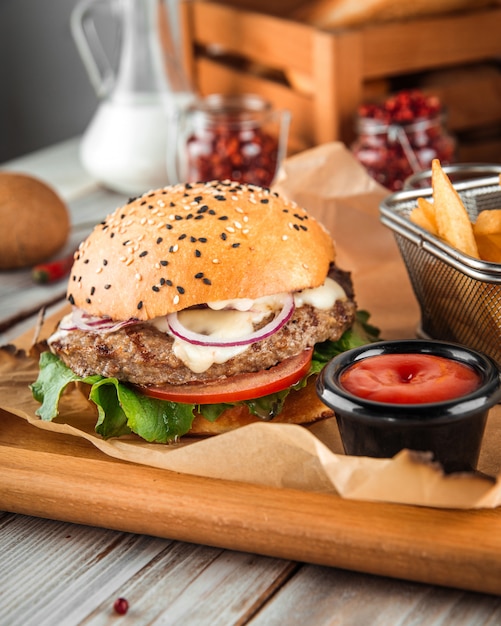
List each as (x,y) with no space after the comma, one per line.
(60,477)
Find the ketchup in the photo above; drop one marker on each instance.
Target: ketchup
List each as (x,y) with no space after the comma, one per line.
(409,378)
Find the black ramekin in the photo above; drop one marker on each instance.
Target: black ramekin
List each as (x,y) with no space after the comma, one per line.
(451,430)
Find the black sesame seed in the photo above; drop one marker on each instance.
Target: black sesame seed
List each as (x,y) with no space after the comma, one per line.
(107,286)
(220,198)
(193,239)
(86,261)
(296,226)
(198,198)
(105,261)
(223,218)
(168,282)
(235,245)
(74,277)
(303,227)
(183,236)
(203,209)
(143,253)
(168,226)
(126,242)
(202,239)
(178,217)
(198,253)
(164,263)
(189,216)
(112,235)
(156,288)
(199,275)
(264,200)
(180,289)
(140,304)
(207,281)
(143,203)
(71,299)
(88,300)
(199,217)
(224,236)
(132,199)
(212,212)
(92,291)
(159,239)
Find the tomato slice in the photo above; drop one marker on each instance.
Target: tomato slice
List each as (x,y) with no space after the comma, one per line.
(239,387)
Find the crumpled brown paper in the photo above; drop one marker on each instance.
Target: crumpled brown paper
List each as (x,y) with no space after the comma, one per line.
(336,190)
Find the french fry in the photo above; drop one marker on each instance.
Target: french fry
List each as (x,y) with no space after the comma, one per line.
(421,218)
(489,247)
(453,222)
(488,223)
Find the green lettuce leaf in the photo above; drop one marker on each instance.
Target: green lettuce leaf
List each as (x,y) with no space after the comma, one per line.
(121,410)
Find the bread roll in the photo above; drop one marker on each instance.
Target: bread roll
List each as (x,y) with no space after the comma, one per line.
(34,221)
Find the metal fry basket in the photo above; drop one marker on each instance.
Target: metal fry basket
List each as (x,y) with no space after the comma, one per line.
(459,296)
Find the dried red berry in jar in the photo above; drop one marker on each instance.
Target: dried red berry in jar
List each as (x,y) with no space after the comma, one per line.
(401,136)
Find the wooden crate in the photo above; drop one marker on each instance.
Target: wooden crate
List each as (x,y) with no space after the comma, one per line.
(322,76)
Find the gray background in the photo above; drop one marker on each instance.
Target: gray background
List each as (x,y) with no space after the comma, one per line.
(45,94)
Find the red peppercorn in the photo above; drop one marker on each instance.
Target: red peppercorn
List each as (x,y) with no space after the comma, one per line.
(121,606)
(401,136)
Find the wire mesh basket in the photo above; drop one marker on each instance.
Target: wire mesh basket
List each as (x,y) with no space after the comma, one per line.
(459,296)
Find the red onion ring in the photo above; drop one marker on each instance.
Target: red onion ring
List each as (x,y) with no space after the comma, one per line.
(80,320)
(198,339)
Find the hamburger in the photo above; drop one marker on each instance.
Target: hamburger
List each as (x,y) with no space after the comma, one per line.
(198,308)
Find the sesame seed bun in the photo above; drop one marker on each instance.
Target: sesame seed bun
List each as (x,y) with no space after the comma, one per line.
(186,245)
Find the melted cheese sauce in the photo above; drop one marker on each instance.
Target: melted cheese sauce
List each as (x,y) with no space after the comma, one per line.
(231,319)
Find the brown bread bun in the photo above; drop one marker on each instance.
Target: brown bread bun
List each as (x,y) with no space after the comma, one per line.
(191,244)
(34,221)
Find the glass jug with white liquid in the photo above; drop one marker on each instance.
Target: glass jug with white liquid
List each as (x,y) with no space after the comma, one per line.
(126,144)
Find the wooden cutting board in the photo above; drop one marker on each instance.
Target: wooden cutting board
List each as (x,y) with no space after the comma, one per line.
(66,478)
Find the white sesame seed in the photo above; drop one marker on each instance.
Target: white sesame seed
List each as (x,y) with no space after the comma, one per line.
(230,229)
(306,266)
(252,200)
(215,260)
(291,225)
(175,299)
(143,220)
(237,224)
(237,208)
(175,248)
(151,222)
(245,231)
(161,203)
(172,216)
(99,269)
(139,277)
(129,260)
(246,218)
(123,258)
(284,237)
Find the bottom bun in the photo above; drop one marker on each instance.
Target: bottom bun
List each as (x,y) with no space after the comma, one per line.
(300,407)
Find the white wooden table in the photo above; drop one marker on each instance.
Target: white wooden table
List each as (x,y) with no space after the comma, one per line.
(56,573)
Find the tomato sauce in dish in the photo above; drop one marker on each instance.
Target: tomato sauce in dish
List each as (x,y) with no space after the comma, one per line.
(409,378)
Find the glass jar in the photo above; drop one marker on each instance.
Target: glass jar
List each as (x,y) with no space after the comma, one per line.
(231,137)
(391,151)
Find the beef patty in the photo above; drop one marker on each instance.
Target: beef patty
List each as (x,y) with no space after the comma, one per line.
(143,355)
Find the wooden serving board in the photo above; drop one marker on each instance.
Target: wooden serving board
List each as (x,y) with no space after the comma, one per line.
(66,478)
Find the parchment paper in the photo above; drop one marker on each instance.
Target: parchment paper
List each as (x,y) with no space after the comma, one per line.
(336,190)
